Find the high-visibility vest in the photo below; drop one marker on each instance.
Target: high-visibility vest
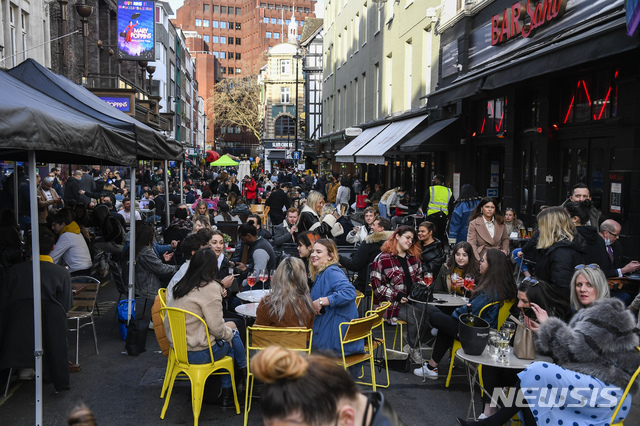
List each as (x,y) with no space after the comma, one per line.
(438,199)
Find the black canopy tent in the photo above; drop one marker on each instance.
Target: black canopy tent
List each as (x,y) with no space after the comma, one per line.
(34,125)
(150,143)
(33,121)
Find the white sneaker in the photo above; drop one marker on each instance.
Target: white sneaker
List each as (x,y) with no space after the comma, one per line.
(482,416)
(416,356)
(426,372)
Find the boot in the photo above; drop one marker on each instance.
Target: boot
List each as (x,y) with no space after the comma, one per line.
(227,398)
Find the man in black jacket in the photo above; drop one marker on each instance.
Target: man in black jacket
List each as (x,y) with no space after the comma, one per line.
(367,251)
(286,231)
(278,202)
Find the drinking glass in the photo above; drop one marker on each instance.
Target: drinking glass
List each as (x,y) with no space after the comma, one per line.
(454,284)
(469,285)
(271,274)
(263,275)
(492,346)
(428,278)
(251,281)
(503,344)
(510,328)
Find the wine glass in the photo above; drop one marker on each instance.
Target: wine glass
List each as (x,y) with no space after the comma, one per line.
(428,278)
(503,344)
(454,284)
(508,327)
(251,281)
(469,285)
(264,276)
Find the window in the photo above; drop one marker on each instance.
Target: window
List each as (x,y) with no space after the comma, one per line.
(237,55)
(379,17)
(214,24)
(265,20)
(408,72)
(206,23)
(216,8)
(276,35)
(198,22)
(231,24)
(216,54)
(238,11)
(274,21)
(285,95)
(263,5)
(230,55)
(223,10)
(224,71)
(376,112)
(278,7)
(223,40)
(284,127)
(299,9)
(238,41)
(363,24)
(223,24)
(492,116)
(238,26)
(230,70)
(223,55)
(205,38)
(280,21)
(389,83)
(238,71)
(230,10)
(592,98)
(307,10)
(205,8)
(268,34)
(214,39)
(270,6)
(288,21)
(230,40)
(285,66)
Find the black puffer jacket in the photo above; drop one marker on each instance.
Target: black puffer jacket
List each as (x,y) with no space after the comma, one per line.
(556,264)
(432,257)
(360,260)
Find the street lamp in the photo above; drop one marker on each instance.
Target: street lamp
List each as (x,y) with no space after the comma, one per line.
(297,57)
(151,69)
(84,10)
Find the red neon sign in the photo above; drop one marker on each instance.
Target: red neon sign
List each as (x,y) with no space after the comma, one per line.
(582,83)
(523,18)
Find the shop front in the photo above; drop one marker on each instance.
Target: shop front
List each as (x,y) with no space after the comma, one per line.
(546,95)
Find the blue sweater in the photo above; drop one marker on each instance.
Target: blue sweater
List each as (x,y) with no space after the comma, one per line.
(333,284)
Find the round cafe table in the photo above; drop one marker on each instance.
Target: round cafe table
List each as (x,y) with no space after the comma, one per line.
(247,310)
(513,362)
(253,296)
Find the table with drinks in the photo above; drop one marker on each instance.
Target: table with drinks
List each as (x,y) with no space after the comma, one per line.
(497,353)
(254,297)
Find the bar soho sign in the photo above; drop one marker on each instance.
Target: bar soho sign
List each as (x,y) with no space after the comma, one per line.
(523,18)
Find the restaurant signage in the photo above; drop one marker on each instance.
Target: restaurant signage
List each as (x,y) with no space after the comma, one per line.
(123,103)
(523,18)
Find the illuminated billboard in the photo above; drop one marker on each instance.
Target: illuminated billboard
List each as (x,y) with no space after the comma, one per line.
(136,30)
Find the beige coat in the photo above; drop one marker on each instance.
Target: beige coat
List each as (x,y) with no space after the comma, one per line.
(43,204)
(481,241)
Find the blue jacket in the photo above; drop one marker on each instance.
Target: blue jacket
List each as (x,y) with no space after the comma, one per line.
(490,314)
(459,222)
(333,284)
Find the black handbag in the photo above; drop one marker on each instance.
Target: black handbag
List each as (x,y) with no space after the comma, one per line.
(421,292)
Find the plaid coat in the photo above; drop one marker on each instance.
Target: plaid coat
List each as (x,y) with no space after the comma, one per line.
(387,279)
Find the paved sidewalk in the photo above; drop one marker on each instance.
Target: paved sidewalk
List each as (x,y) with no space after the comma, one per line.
(123,390)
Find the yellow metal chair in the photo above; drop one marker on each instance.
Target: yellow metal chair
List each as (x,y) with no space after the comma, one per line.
(261,337)
(162,296)
(398,324)
(377,342)
(359,297)
(503,314)
(623,397)
(352,331)
(198,373)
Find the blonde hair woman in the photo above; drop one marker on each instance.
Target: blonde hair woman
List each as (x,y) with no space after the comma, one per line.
(559,248)
(309,219)
(333,299)
(289,304)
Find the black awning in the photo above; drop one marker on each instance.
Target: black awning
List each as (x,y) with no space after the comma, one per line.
(454,92)
(276,155)
(432,135)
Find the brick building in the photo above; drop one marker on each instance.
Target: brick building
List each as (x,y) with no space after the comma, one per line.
(238,34)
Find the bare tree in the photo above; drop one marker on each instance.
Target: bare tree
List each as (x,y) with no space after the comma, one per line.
(236,103)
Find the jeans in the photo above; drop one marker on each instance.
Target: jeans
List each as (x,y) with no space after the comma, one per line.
(221,349)
(447,331)
(518,260)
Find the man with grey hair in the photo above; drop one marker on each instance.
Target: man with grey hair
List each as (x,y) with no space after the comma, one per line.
(610,233)
(73,191)
(48,199)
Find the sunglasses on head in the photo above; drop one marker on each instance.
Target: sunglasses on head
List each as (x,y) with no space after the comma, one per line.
(532,281)
(590,266)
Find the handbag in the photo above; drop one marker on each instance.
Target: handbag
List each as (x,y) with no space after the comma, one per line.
(523,346)
(421,292)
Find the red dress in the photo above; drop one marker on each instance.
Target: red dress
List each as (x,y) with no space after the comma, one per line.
(129,32)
